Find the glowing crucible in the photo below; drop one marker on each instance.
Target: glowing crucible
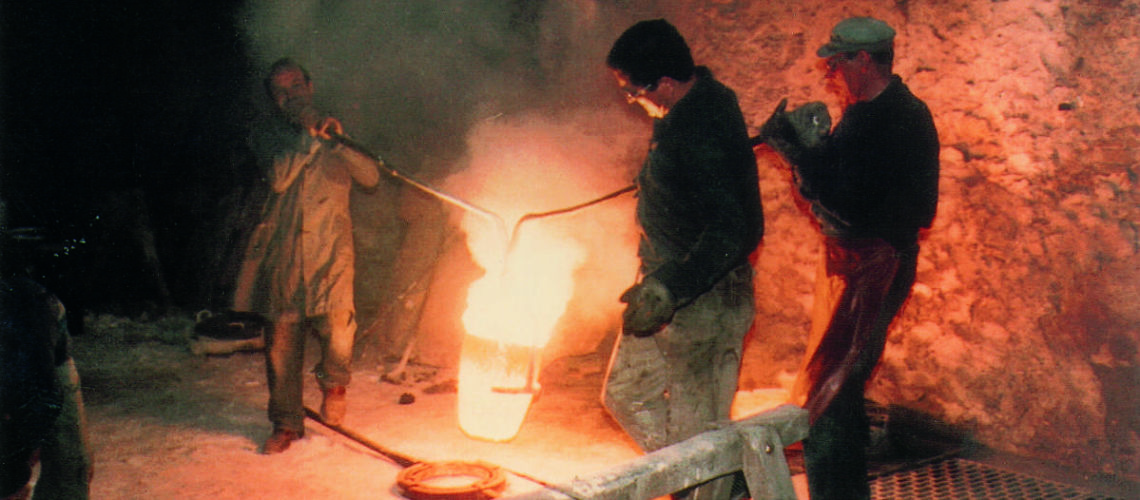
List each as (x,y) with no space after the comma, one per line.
(511,313)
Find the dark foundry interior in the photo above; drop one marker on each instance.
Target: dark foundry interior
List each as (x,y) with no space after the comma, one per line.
(130,188)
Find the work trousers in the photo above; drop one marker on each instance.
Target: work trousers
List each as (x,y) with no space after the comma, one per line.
(285,352)
(681,381)
(860,288)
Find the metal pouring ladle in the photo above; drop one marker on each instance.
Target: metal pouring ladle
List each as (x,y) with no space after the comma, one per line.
(497,221)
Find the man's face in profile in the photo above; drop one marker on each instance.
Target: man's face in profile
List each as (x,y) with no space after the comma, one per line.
(646,97)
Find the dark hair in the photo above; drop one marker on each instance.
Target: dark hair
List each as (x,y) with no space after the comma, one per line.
(650,50)
(278,66)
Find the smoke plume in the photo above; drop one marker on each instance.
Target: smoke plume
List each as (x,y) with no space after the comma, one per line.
(411,78)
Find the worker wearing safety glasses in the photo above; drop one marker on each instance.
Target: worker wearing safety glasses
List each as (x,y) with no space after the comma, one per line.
(674,370)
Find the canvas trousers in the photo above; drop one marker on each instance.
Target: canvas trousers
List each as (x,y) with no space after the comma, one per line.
(285,351)
(681,381)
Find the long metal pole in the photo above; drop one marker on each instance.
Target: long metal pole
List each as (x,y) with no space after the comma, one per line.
(510,238)
(495,219)
(400,458)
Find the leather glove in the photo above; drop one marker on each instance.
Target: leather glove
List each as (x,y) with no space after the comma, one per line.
(776,127)
(793,133)
(810,123)
(649,307)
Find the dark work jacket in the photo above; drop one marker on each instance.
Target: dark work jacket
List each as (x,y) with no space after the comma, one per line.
(876,175)
(33,343)
(698,194)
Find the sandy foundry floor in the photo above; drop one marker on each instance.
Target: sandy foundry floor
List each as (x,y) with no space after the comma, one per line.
(166,424)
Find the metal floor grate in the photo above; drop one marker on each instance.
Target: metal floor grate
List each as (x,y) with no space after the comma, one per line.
(956,478)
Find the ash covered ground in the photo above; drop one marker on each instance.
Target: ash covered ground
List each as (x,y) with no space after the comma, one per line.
(167,423)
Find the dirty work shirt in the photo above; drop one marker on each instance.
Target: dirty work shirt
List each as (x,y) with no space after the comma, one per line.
(301,256)
(876,175)
(700,215)
(299,267)
(698,199)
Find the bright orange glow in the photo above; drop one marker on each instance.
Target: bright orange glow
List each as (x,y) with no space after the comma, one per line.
(556,293)
(511,314)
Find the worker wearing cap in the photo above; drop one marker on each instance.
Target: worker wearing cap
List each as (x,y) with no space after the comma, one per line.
(873,185)
(674,370)
(298,268)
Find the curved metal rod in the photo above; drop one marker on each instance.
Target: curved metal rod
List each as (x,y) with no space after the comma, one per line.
(510,238)
(539,215)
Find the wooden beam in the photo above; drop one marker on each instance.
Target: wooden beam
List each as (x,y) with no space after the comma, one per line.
(755,445)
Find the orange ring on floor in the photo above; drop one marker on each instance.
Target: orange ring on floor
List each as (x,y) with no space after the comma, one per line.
(487,481)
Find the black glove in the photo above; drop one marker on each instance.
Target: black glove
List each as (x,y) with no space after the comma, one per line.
(793,133)
(810,123)
(649,308)
(777,126)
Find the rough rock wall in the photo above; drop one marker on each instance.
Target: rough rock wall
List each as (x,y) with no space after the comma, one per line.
(1023,325)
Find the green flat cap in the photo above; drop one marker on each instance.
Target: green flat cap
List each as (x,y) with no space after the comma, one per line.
(858,33)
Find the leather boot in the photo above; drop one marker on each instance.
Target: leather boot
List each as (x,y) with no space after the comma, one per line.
(333,405)
(280,440)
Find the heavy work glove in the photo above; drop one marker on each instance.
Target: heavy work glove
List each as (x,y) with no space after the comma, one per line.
(649,307)
(810,123)
(776,127)
(791,133)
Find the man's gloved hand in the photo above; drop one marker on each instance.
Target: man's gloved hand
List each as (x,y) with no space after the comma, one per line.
(777,127)
(810,123)
(792,133)
(649,308)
